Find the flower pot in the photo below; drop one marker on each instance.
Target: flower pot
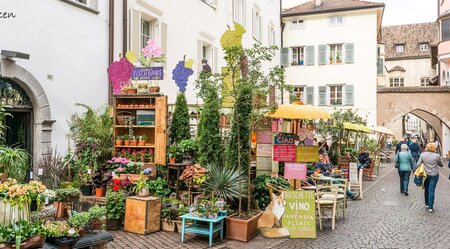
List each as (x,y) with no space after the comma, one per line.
(242,230)
(86,190)
(141,143)
(97,225)
(134,177)
(168,227)
(154,89)
(81,232)
(36,241)
(144,192)
(131,91)
(119,142)
(127,142)
(122,177)
(171,160)
(100,192)
(113,225)
(123,91)
(133,142)
(60,209)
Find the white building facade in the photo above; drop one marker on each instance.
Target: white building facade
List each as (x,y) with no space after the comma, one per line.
(193,28)
(330,54)
(67,44)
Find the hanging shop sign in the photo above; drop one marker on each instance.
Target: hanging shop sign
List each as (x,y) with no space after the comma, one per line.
(264,137)
(264,164)
(295,171)
(147,73)
(307,154)
(284,139)
(264,150)
(300,214)
(284,153)
(353,174)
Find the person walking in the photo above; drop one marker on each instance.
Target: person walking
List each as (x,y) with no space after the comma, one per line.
(414,148)
(405,163)
(431,160)
(397,148)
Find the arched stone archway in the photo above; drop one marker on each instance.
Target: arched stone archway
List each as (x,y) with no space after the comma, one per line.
(42,122)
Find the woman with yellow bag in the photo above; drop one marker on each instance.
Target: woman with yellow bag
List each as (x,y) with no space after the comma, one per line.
(431,160)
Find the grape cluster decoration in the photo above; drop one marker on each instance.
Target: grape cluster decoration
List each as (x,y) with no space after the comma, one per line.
(181,74)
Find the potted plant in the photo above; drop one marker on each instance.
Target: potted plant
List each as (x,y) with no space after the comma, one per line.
(141,187)
(100,180)
(172,153)
(80,220)
(142,87)
(151,53)
(175,203)
(131,88)
(86,184)
(133,141)
(126,140)
(187,147)
(180,211)
(119,140)
(148,157)
(168,216)
(194,175)
(142,140)
(158,188)
(338,58)
(97,215)
(115,208)
(14,163)
(331,60)
(22,234)
(61,233)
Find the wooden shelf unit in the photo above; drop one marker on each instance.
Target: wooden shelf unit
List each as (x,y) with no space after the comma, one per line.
(156,134)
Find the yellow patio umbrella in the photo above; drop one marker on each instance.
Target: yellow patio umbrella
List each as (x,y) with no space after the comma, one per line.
(383,130)
(356,127)
(298,110)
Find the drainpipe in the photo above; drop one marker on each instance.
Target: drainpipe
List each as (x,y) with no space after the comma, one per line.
(111,44)
(124,25)
(281,40)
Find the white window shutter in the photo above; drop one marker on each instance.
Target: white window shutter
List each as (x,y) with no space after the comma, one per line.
(199,56)
(215,64)
(349,53)
(349,95)
(164,41)
(309,55)
(322,95)
(285,57)
(254,23)
(322,54)
(310,95)
(135,32)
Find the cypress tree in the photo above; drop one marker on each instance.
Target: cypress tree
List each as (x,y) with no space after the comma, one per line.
(180,128)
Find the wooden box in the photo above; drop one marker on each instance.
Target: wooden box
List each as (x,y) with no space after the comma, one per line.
(142,214)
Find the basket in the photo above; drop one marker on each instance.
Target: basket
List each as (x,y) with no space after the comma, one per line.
(123,116)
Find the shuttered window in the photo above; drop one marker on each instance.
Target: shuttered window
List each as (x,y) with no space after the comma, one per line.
(309,55)
(310,95)
(322,54)
(285,58)
(322,95)
(349,53)
(349,99)
(380,66)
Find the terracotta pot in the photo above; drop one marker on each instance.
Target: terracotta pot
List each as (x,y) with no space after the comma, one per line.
(131,91)
(36,241)
(154,89)
(171,160)
(127,142)
(168,227)
(81,232)
(242,230)
(133,142)
(119,142)
(141,143)
(60,209)
(100,192)
(113,225)
(122,177)
(123,91)
(144,192)
(134,177)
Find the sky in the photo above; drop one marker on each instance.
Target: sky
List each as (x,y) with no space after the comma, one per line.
(397,12)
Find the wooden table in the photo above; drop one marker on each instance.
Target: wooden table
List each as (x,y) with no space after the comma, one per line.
(214,225)
(179,167)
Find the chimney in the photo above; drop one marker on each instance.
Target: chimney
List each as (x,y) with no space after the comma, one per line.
(318,3)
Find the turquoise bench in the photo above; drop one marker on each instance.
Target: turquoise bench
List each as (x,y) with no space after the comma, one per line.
(211,226)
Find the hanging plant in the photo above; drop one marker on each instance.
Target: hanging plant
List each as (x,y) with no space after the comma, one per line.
(119,72)
(181,73)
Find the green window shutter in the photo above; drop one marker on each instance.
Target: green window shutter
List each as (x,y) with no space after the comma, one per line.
(349,96)
(309,55)
(380,66)
(322,54)
(310,95)
(285,57)
(322,95)
(349,54)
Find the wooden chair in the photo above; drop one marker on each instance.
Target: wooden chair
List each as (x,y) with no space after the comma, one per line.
(352,186)
(298,183)
(344,164)
(377,165)
(326,199)
(367,172)
(274,188)
(342,187)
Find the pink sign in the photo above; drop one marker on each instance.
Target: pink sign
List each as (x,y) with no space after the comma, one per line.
(263,137)
(274,126)
(295,171)
(284,153)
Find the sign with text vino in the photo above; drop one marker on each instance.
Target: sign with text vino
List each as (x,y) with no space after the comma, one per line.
(284,153)
(300,214)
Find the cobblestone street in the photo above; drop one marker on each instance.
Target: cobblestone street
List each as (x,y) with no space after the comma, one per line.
(384,219)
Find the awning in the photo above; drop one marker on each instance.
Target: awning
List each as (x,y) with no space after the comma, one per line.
(356,127)
(383,130)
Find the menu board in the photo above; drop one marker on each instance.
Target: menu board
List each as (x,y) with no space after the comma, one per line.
(284,153)
(264,150)
(295,171)
(353,174)
(264,163)
(264,137)
(307,154)
(300,214)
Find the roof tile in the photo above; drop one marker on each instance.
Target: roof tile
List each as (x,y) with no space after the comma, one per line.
(328,6)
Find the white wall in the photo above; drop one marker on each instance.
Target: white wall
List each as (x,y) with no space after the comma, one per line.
(415,69)
(192,20)
(66,41)
(359,28)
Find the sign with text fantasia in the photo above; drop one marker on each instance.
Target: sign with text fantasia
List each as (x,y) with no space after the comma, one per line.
(284,139)
(295,171)
(300,214)
(147,73)
(264,137)
(353,174)
(284,153)
(264,150)
(264,163)
(306,154)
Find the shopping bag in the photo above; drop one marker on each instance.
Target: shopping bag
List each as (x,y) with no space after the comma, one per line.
(420,171)
(418,181)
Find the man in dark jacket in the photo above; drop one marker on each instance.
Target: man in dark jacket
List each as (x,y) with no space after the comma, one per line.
(399,145)
(414,148)
(363,158)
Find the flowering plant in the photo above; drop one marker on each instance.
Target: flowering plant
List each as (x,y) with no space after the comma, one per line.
(147,171)
(60,229)
(195,173)
(152,52)
(118,185)
(19,194)
(116,162)
(207,208)
(119,73)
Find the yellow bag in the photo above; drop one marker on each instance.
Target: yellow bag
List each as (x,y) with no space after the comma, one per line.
(420,171)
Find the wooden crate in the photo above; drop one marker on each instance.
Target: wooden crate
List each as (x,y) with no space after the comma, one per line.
(142,214)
